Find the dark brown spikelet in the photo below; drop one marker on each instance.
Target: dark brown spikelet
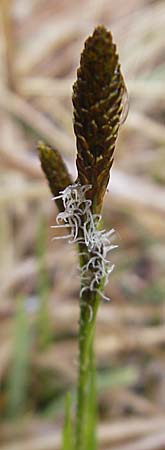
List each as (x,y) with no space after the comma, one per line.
(55,171)
(97,100)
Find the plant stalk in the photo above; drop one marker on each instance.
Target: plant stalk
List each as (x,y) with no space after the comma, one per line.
(89,304)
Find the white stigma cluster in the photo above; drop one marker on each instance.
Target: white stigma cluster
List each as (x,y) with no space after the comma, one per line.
(83,225)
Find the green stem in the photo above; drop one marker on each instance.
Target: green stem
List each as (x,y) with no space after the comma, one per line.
(91,415)
(88,312)
(89,303)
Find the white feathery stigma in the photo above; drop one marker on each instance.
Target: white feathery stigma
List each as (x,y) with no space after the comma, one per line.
(77,215)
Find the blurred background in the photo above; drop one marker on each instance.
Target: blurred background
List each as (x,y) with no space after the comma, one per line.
(40,45)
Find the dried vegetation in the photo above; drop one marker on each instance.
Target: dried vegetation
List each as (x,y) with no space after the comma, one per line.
(40,43)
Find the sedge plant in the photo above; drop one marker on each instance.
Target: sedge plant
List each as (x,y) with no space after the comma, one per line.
(98,101)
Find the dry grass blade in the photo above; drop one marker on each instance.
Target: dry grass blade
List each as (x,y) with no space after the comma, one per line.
(127,429)
(149,127)
(29,269)
(156,441)
(26,192)
(148,338)
(107,434)
(51,37)
(142,193)
(148,89)
(45,86)
(38,122)
(22,163)
(43,442)
(5,10)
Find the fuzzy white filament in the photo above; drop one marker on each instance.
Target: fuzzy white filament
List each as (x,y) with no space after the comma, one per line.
(77,215)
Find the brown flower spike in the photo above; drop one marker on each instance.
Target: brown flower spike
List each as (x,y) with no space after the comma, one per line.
(97,100)
(55,170)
